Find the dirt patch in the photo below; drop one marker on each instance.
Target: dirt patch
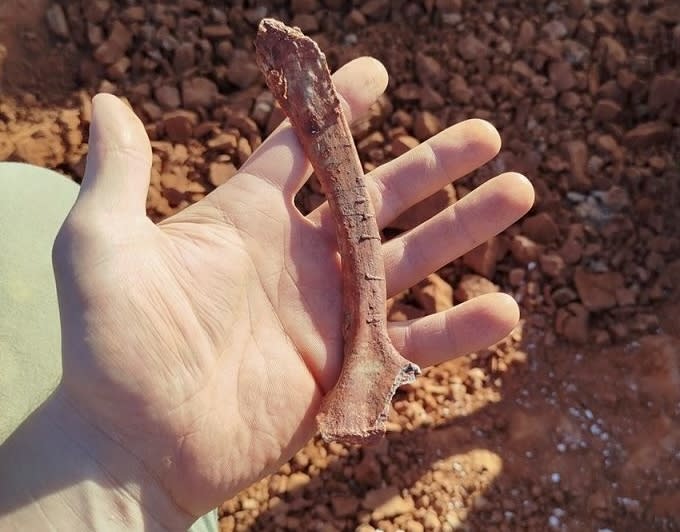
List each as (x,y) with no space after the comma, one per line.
(571,423)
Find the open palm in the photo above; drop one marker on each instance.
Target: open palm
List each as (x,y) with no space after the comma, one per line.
(203,345)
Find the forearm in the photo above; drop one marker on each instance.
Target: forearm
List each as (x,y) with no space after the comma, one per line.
(59,473)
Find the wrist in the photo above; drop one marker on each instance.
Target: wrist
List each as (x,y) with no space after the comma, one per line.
(59,470)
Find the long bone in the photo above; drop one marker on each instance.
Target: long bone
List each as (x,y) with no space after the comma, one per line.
(295,70)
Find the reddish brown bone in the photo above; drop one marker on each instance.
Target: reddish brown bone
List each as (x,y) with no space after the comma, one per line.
(355,410)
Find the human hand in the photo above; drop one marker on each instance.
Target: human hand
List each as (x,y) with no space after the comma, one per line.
(202,345)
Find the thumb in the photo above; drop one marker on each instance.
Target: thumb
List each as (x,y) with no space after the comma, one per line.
(118,160)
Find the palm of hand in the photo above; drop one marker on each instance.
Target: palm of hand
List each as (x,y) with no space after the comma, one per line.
(237,317)
(203,345)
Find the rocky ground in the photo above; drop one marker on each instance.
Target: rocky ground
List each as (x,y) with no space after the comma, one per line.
(570,423)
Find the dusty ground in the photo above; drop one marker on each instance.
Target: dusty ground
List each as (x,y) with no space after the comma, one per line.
(572,423)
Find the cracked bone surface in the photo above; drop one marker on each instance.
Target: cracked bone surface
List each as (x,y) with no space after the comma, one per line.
(295,70)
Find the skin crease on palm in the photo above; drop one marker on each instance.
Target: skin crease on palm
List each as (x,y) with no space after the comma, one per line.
(203,345)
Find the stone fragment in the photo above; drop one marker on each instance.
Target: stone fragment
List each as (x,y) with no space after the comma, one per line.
(425,209)
(402,144)
(664,91)
(198,92)
(375,9)
(223,142)
(555,30)
(307,22)
(470,48)
(472,285)
(115,46)
(561,75)
(297,481)
(526,35)
(433,294)
(399,311)
(242,71)
(179,125)
(304,6)
(220,173)
(216,32)
(572,323)
(648,134)
(606,110)
(552,265)
(96,10)
(184,57)
(597,291)
(614,53)
(386,503)
(344,505)
(428,69)
(56,21)
(426,125)
(459,91)
(577,152)
(133,14)
(524,250)
(541,228)
(167,97)
(483,258)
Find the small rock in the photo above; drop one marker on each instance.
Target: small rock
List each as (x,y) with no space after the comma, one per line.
(56,21)
(459,91)
(526,35)
(374,140)
(242,70)
(198,92)
(517,276)
(577,151)
(524,250)
(431,521)
(399,311)
(402,144)
(648,134)
(304,6)
(555,30)
(541,228)
(614,53)
(572,323)
(564,295)
(184,57)
(297,481)
(597,291)
(96,10)
(179,125)
(433,294)
(224,142)
(663,91)
(472,285)
(115,46)
(470,48)
(483,258)
(219,174)
(428,69)
(414,526)
(375,9)
(552,265)
(561,76)
(425,209)
(606,110)
(133,14)
(168,97)
(426,125)
(386,503)
(216,32)
(307,23)
(344,505)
